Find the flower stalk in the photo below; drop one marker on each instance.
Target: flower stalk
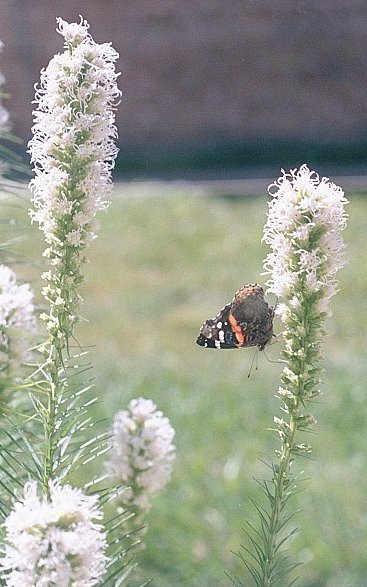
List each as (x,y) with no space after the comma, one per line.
(303,228)
(73,153)
(53,535)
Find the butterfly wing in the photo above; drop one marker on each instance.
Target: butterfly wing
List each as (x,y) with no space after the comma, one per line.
(221,332)
(246,321)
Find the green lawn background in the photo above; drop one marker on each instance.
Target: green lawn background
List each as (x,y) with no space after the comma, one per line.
(159,268)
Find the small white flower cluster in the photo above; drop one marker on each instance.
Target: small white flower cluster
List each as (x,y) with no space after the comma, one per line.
(17,319)
(55,541)
(303,228)
(73,147)
(142,452)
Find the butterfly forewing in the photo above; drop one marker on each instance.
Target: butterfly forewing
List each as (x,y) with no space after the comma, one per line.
(217,333)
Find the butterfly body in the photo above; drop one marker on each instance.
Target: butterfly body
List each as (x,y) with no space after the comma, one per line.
(247,321)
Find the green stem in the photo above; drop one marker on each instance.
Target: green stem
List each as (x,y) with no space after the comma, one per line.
(55,388)
(281,476)
(54,366)
(136,529)
(280,480)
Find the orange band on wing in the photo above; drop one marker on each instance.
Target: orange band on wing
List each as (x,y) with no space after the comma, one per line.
(236,329)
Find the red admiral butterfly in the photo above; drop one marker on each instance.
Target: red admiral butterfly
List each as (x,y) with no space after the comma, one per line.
(246,321)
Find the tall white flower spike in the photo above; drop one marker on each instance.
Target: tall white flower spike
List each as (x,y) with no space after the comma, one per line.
(305,219)
(73,148)
(73,152)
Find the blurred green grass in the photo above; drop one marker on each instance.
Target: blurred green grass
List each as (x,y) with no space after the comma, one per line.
(159,268)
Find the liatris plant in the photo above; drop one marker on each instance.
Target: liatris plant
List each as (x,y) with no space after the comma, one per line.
(73,153)
(141,458)
(305,220)
(54,534)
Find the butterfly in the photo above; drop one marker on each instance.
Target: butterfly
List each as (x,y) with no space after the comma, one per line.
(246,321)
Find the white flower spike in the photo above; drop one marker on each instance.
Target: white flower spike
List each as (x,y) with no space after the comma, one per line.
(142,453)
(305,220)
(73,152)
(73,147)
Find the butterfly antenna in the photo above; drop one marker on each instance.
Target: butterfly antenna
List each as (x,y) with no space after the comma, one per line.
(254,357)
